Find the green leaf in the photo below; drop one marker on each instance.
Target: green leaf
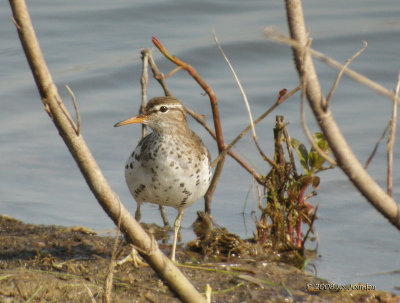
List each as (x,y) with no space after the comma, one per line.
(315,161)
(302,153)
(321,142)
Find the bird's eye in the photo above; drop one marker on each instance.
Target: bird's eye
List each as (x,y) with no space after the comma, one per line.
(163,109)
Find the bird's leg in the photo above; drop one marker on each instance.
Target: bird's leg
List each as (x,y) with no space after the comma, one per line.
(177,225)
(164,216)
(138,214)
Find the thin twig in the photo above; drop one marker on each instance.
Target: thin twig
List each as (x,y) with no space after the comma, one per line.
(310,229)
(263,156)
(391,138)
(335,84)
(16,23)
(200,119)
(289,147)
(143,82)
(146,58)
(203,85)
(35,294)
(215,113)
(158,75)
(90,293)
(280,100)
(246,101)
(108,283)
(259,195)
(172,72)
(238,83)
(333,63)
(78,116)
(376,147)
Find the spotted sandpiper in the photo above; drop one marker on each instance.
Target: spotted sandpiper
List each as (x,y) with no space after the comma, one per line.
(171,165)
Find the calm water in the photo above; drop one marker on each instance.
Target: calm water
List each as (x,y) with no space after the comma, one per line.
(94,48)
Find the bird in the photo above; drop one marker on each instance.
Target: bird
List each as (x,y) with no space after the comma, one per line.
(171,165)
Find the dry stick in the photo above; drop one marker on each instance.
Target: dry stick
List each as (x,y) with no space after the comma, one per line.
(78,116)
(310,229)
(340,149)
(238,83)
(106,197)
(339,76)
(92,299)
(391,138)
(143,82)
(333,63)
(146,54)
(289,147)
(280,100)
(108,283)
(216,118)
(265,158)
(376,147)
(158,76)
(204,86)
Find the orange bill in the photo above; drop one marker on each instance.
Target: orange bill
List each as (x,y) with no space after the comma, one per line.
(134,119)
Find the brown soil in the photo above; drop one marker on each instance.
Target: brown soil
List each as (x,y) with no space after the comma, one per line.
(58,264)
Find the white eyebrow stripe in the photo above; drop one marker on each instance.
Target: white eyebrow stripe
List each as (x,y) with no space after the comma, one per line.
(157,107)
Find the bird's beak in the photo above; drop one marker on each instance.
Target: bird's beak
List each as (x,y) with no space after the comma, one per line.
(134,119)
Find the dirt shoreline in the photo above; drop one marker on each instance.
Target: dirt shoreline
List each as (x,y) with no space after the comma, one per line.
(59,264)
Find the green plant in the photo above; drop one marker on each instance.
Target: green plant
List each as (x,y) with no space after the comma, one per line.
(286,209)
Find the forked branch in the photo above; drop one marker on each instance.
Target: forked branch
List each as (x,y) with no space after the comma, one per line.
(345,158)
(106,197)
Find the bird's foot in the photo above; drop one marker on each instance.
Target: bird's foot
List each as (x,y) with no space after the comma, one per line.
(133,257)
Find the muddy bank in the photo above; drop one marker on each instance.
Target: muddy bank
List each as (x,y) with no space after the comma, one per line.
(59,264)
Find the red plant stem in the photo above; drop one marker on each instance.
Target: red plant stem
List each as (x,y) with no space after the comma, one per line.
(203,84)
(300,214)
(290,231)
(216,119)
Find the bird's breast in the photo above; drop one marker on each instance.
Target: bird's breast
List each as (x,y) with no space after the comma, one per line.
(168,172)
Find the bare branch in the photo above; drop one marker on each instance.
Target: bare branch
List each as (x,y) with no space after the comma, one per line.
(106,197)
(143,82)
(108,283)
(78,116)
(265,158)
(376,147)
(280,100)
(333,63)
(158,75)
(348,61)
(238,83)
(344,156)
(146,57)
(391,138)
